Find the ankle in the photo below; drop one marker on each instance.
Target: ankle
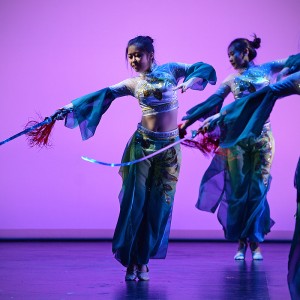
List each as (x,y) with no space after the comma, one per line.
(254,246)
(142,268)
(131,268)
(242,244)
(243,241)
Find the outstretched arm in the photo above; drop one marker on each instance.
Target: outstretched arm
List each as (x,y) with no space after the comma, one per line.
(88,110)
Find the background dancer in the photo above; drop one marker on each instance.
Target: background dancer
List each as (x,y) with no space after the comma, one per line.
(249,116)
(240,176)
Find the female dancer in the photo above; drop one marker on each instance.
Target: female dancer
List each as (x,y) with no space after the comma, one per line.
(148,188)
(249,115)
(240,175)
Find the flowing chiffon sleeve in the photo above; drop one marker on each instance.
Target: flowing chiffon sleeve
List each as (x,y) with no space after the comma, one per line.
(88,110)
(201,111)
(212,105)
(247,116)
(197,70)
(293,62)
(201,70)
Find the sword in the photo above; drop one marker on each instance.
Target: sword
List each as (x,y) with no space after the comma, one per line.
(129,163)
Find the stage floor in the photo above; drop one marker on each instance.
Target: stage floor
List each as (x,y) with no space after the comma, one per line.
(46,270)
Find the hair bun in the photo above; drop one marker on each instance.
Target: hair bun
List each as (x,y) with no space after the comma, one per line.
(149,38)
(256,42)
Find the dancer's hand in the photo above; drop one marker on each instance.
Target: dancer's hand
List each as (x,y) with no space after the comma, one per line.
(188,84)
(207,123)
(185,125)
(61,113)
(182,131)
(58,115)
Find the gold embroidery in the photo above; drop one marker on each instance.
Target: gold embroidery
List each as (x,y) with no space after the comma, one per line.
(153,86)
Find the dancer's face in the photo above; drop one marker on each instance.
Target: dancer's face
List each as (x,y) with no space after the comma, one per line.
(237,58)
(140,61)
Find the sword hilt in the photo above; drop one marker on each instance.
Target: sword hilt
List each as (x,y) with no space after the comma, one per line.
(60,114)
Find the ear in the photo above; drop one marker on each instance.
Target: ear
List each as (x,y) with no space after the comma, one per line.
(246,52)
(152,55)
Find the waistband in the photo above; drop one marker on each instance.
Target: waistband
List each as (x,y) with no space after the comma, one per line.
(158,135)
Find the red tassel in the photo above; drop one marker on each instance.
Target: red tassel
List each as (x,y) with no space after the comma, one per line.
(206,143)
(40,136)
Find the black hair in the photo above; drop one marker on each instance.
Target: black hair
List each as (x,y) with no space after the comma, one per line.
(241,44)
(143,43)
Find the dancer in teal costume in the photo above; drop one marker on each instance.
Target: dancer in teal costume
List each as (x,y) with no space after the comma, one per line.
(238,178)
(147,194)
(248,116)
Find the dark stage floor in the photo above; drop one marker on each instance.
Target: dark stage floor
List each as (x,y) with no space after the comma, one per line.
(192,270)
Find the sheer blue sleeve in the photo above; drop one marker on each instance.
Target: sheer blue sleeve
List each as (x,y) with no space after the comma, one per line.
(199,70)
(88,110)
(201,111)
(293,62)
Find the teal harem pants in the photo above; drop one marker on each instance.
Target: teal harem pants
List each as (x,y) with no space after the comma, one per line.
(249,164)
(146,197)
(236,183)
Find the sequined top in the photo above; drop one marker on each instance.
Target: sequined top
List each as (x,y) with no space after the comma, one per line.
(249,80)
(154,90)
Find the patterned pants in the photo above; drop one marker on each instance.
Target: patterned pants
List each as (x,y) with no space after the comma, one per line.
(249,163)
(146,198)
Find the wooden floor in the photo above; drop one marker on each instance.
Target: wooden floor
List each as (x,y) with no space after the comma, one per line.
(45,270)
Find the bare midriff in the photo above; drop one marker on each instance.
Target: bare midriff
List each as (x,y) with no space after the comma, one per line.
(161,122)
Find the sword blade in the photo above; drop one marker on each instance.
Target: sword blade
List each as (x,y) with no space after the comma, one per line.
(92,160)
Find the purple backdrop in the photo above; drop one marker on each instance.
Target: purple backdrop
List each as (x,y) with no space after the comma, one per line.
(55,51)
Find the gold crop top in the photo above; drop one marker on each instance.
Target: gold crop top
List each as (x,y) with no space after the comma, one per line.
(154,90)
(252,79)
